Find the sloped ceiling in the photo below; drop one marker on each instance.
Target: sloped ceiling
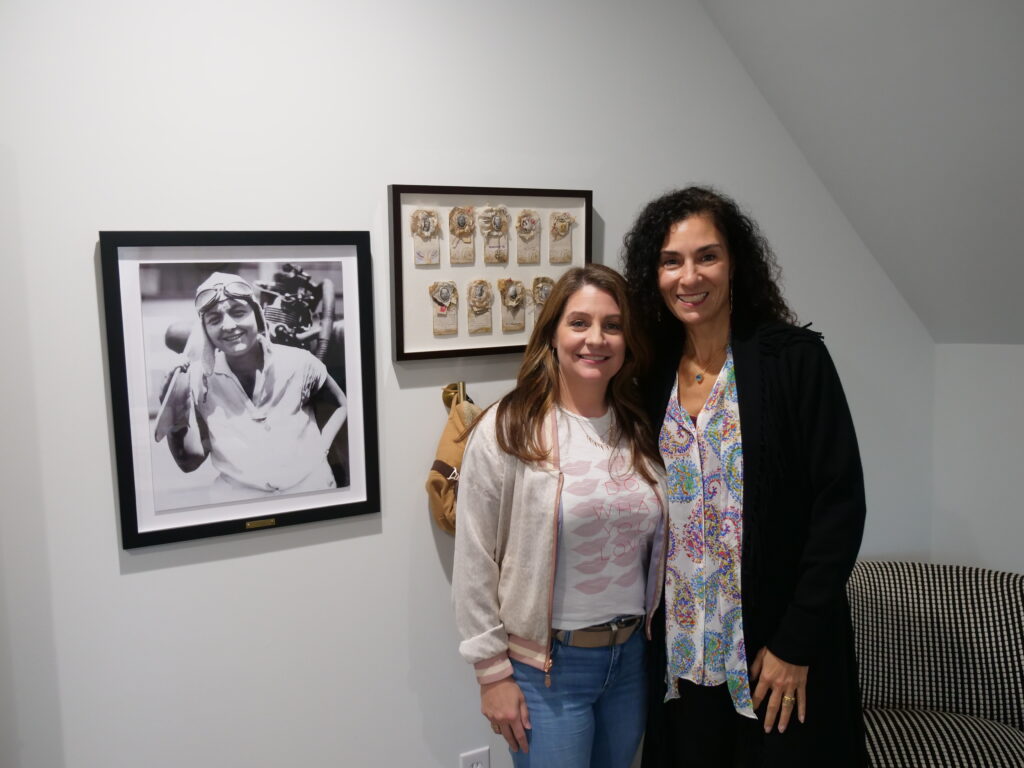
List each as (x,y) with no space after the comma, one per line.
(912,114)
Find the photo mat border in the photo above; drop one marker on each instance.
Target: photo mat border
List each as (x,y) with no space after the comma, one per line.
(111,243)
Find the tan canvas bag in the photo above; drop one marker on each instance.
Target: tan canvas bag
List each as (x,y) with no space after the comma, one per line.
(443,479)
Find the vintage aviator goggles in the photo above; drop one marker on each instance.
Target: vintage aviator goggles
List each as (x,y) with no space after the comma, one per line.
(207,297)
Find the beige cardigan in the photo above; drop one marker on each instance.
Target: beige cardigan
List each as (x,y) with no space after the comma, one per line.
(506,542)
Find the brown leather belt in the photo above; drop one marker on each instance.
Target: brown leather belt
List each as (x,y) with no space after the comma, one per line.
(614,632)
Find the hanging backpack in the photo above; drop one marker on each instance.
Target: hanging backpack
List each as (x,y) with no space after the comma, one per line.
(443,479)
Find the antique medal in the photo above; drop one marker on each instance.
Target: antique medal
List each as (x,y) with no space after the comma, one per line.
(480,297)
(426,236)
(444,299)
(513,306)
(561,238)
(541,290)
(461,249)
(528,244)
(494,228)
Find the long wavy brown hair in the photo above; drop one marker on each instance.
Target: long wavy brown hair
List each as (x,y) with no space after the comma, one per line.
(521,413)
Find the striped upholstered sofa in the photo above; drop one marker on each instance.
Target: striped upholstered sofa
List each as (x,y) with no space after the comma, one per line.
(941,658)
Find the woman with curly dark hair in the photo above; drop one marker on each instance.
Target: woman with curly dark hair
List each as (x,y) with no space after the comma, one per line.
(753,663)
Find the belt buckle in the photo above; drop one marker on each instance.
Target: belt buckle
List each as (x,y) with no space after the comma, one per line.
(615,631)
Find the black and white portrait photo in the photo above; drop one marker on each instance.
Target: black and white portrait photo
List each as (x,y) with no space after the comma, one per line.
(241,360)
(247,363)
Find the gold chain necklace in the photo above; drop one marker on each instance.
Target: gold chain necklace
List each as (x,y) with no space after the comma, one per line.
(587,428)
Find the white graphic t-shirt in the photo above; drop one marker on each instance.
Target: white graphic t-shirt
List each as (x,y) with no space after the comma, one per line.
(608,516)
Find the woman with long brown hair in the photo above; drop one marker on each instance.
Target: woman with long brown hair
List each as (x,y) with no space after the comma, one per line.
(560,536)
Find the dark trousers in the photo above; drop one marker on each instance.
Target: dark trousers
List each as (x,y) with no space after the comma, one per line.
(703,729)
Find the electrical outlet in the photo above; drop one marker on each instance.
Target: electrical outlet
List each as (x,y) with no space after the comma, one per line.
(478,758)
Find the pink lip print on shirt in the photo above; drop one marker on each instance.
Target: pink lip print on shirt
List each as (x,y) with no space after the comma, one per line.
(629,578)
(576,467)
(593,586)
(589,508)
(589,529)
(591,547)
(581,487)
(637,521)
(592,566)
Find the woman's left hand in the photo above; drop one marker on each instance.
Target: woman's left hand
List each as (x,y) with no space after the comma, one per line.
(785,684)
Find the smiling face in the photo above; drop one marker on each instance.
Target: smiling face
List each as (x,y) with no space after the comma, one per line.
(231,326)
(694,270)
(589,340)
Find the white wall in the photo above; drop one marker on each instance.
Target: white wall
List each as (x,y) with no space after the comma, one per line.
(331,644)
(979,516)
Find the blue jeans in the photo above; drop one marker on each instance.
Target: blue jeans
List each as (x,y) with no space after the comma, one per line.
(593,714)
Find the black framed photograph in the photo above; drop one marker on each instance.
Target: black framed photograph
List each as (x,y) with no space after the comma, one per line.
(242,380)
(473,266)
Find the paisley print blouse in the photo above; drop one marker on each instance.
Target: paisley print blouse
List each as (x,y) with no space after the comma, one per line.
(704,621)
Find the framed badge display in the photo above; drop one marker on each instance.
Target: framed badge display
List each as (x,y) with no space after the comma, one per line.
(471,266)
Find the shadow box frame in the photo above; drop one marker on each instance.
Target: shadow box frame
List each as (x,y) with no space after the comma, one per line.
(412,338)
(135,266)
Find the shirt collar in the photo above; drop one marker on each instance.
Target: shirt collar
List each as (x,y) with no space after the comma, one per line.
(715,396)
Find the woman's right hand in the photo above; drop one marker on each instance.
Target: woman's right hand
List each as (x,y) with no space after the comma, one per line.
(503,704)
(175,412)
(176,390)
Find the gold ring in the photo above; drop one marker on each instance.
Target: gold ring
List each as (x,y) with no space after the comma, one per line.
(789,700)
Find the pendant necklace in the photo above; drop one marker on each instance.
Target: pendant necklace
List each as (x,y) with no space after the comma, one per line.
(699,376)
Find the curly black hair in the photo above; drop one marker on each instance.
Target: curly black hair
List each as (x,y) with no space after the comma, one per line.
(756,295)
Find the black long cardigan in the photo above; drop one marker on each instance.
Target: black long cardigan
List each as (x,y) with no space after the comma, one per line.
(803,519)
